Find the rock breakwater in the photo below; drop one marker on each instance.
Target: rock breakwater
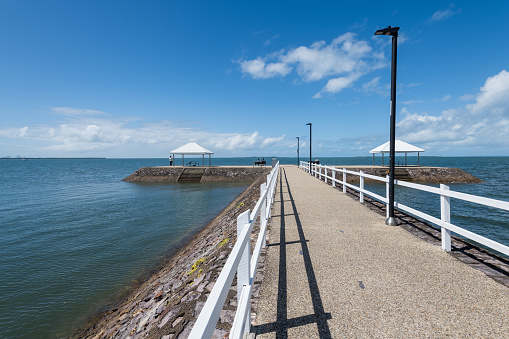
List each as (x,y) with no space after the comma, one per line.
(211,174)
(168,303)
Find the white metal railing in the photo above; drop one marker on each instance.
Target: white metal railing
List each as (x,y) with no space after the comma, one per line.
(239,262)
(443,191)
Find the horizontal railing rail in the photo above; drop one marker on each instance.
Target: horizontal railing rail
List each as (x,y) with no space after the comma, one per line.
(443,191)
(240,263)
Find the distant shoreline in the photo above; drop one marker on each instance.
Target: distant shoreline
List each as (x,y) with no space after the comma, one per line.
(50,158)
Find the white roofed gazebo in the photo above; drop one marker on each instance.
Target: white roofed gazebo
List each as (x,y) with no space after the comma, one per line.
(400,147)
(192,148)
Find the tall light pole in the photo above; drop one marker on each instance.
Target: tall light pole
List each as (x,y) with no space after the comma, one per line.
(392,31)
(298,157)
(309,147)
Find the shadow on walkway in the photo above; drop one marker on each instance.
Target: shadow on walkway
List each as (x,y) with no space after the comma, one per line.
(319,317)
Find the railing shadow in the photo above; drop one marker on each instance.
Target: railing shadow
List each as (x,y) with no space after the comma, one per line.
(319,317)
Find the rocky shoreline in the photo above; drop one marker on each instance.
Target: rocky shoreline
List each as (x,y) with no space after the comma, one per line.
(211,174)
(167,304)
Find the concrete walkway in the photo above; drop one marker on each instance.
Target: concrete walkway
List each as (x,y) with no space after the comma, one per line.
(334,269)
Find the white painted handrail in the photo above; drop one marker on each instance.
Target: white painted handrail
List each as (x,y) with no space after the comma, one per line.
(239,262)
(443,191)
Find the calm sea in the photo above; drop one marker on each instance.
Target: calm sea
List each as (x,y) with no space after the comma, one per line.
(74,236)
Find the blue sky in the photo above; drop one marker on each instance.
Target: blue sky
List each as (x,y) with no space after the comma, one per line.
(140,78)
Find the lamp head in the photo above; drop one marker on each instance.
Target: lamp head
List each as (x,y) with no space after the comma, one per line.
(388,31)
(308,124)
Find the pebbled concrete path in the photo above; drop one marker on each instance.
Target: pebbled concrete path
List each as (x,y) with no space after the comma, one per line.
(334,269)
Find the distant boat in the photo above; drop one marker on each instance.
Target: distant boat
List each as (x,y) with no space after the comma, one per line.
(24,159)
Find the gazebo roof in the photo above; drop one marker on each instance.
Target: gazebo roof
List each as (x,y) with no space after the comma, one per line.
(191,148)
(401,147)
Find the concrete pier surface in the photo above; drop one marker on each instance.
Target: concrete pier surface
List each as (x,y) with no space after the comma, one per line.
(334,269)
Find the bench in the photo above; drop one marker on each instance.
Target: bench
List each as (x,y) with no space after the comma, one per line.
(259,163)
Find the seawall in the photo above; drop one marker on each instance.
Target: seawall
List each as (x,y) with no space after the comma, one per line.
(170,299)
(443,175)
(210,174)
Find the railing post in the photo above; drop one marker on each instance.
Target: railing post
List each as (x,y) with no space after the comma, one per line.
(333,176)
(445,211)
(361,185)
(243,270)
(387,196)
(344,180)
(315,170)
(263,210)
(325,173)
(320,171)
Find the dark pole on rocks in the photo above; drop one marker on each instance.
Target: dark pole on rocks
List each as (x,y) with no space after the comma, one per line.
(392,31)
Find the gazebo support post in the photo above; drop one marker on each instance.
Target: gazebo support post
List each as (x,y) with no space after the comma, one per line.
(209,161)
(182,159)
(405,158)
(203,160)
(373,159)
(418,159)
(382,159)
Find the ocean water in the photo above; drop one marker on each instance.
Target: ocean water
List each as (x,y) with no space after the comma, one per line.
(73,236)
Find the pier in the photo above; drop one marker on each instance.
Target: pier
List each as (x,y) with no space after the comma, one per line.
(322,264)
(334,269)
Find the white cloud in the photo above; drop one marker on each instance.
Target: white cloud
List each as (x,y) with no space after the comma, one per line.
(445,98)
(484,123)
(374,86)
(467,97)
(371,85)
(23,132)
(100,136)
(69,111)
(238,141)
(271,141)
(345,56)
(494,96)
(410,102)
(258,69)
(269,41)
(444,14)
(337,84)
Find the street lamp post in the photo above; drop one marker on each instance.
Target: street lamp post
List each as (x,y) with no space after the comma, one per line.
(392,31)
(298,157)
(309,147)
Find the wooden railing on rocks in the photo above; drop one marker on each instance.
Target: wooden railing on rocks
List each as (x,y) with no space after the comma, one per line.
(242,264)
